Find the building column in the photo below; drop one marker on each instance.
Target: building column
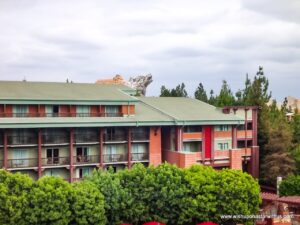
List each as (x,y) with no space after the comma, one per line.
(254,126)
(5,152)
(254,161)
(101,147)
(129,146)
(71,153)
(234,137)
(178,139)
(39,153)
(212,145)
(203,144)
(246,127)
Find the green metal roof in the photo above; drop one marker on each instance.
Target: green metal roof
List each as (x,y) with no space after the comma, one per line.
(174,113)
(20,92)
(188,109)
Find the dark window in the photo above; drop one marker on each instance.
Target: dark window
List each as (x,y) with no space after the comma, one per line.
(192,129)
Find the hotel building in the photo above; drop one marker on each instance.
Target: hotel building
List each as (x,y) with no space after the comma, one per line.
(69,129)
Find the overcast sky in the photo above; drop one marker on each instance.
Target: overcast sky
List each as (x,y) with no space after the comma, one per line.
(176,41)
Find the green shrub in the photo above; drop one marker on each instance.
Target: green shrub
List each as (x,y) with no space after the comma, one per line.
(290,186)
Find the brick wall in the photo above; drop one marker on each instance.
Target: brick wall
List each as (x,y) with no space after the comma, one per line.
(235,159)
(155,146)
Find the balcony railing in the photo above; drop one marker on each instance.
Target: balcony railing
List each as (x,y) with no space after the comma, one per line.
(1,164)
(21,163)
(55,139)
(139,136)
(55,161)
(89,159)
(114,137)
(139,156)
(66,114)
(108,158)
(86,137)
(22,140)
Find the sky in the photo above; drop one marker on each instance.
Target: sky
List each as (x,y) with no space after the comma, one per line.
(189,41)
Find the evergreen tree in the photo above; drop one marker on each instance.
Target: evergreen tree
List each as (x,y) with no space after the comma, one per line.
(178,91)
(212,98)
(225,97)
(200,93)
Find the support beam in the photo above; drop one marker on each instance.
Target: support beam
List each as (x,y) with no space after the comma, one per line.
(101,147)
(71,153)
(234,137)
(39,153)
(5,153)
(129,146)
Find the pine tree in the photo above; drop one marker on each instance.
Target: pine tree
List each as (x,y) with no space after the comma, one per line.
(200,93)
(225,97)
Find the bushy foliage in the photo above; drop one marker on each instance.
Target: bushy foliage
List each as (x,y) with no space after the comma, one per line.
(14,190)
(164,193)
(87,204)
(290,186)
(49,202)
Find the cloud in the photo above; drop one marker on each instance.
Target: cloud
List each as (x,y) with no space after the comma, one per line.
(191,42)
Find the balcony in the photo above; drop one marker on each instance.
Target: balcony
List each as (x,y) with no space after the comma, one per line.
(243,134)
(139,156)
(1,164)
(55,161)
(65,114)
(140,136)
(22,163)
(55,139)
(192,136)
(22,140)
(110,158)
(114,137)
(86,137)
(89,159)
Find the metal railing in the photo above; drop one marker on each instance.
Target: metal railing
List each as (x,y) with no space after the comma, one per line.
(107,158)
(140,136)
(22,140)
(64,114)
(139,156)
(86,159)
(54,161)
(21,163)
(55,139)
(114,137)
(86,137)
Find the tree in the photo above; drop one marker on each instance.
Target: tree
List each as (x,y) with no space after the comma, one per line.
(49,202)
(200,93)
(87,205)
(14,190)
(225,97)
(290,186)
(277,160)
(178,91)
(238,194)
(212,98)
(203,190)
(115,197)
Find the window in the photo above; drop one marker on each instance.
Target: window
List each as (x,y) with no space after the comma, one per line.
(223,146)
(52,110)
(20,158)
(82,154)
(222,128)
(139,152)
(20,110)
(52,172)
(82,110)
(111,111)
(52,156)
(192,146)
(192,129)
(83,172)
